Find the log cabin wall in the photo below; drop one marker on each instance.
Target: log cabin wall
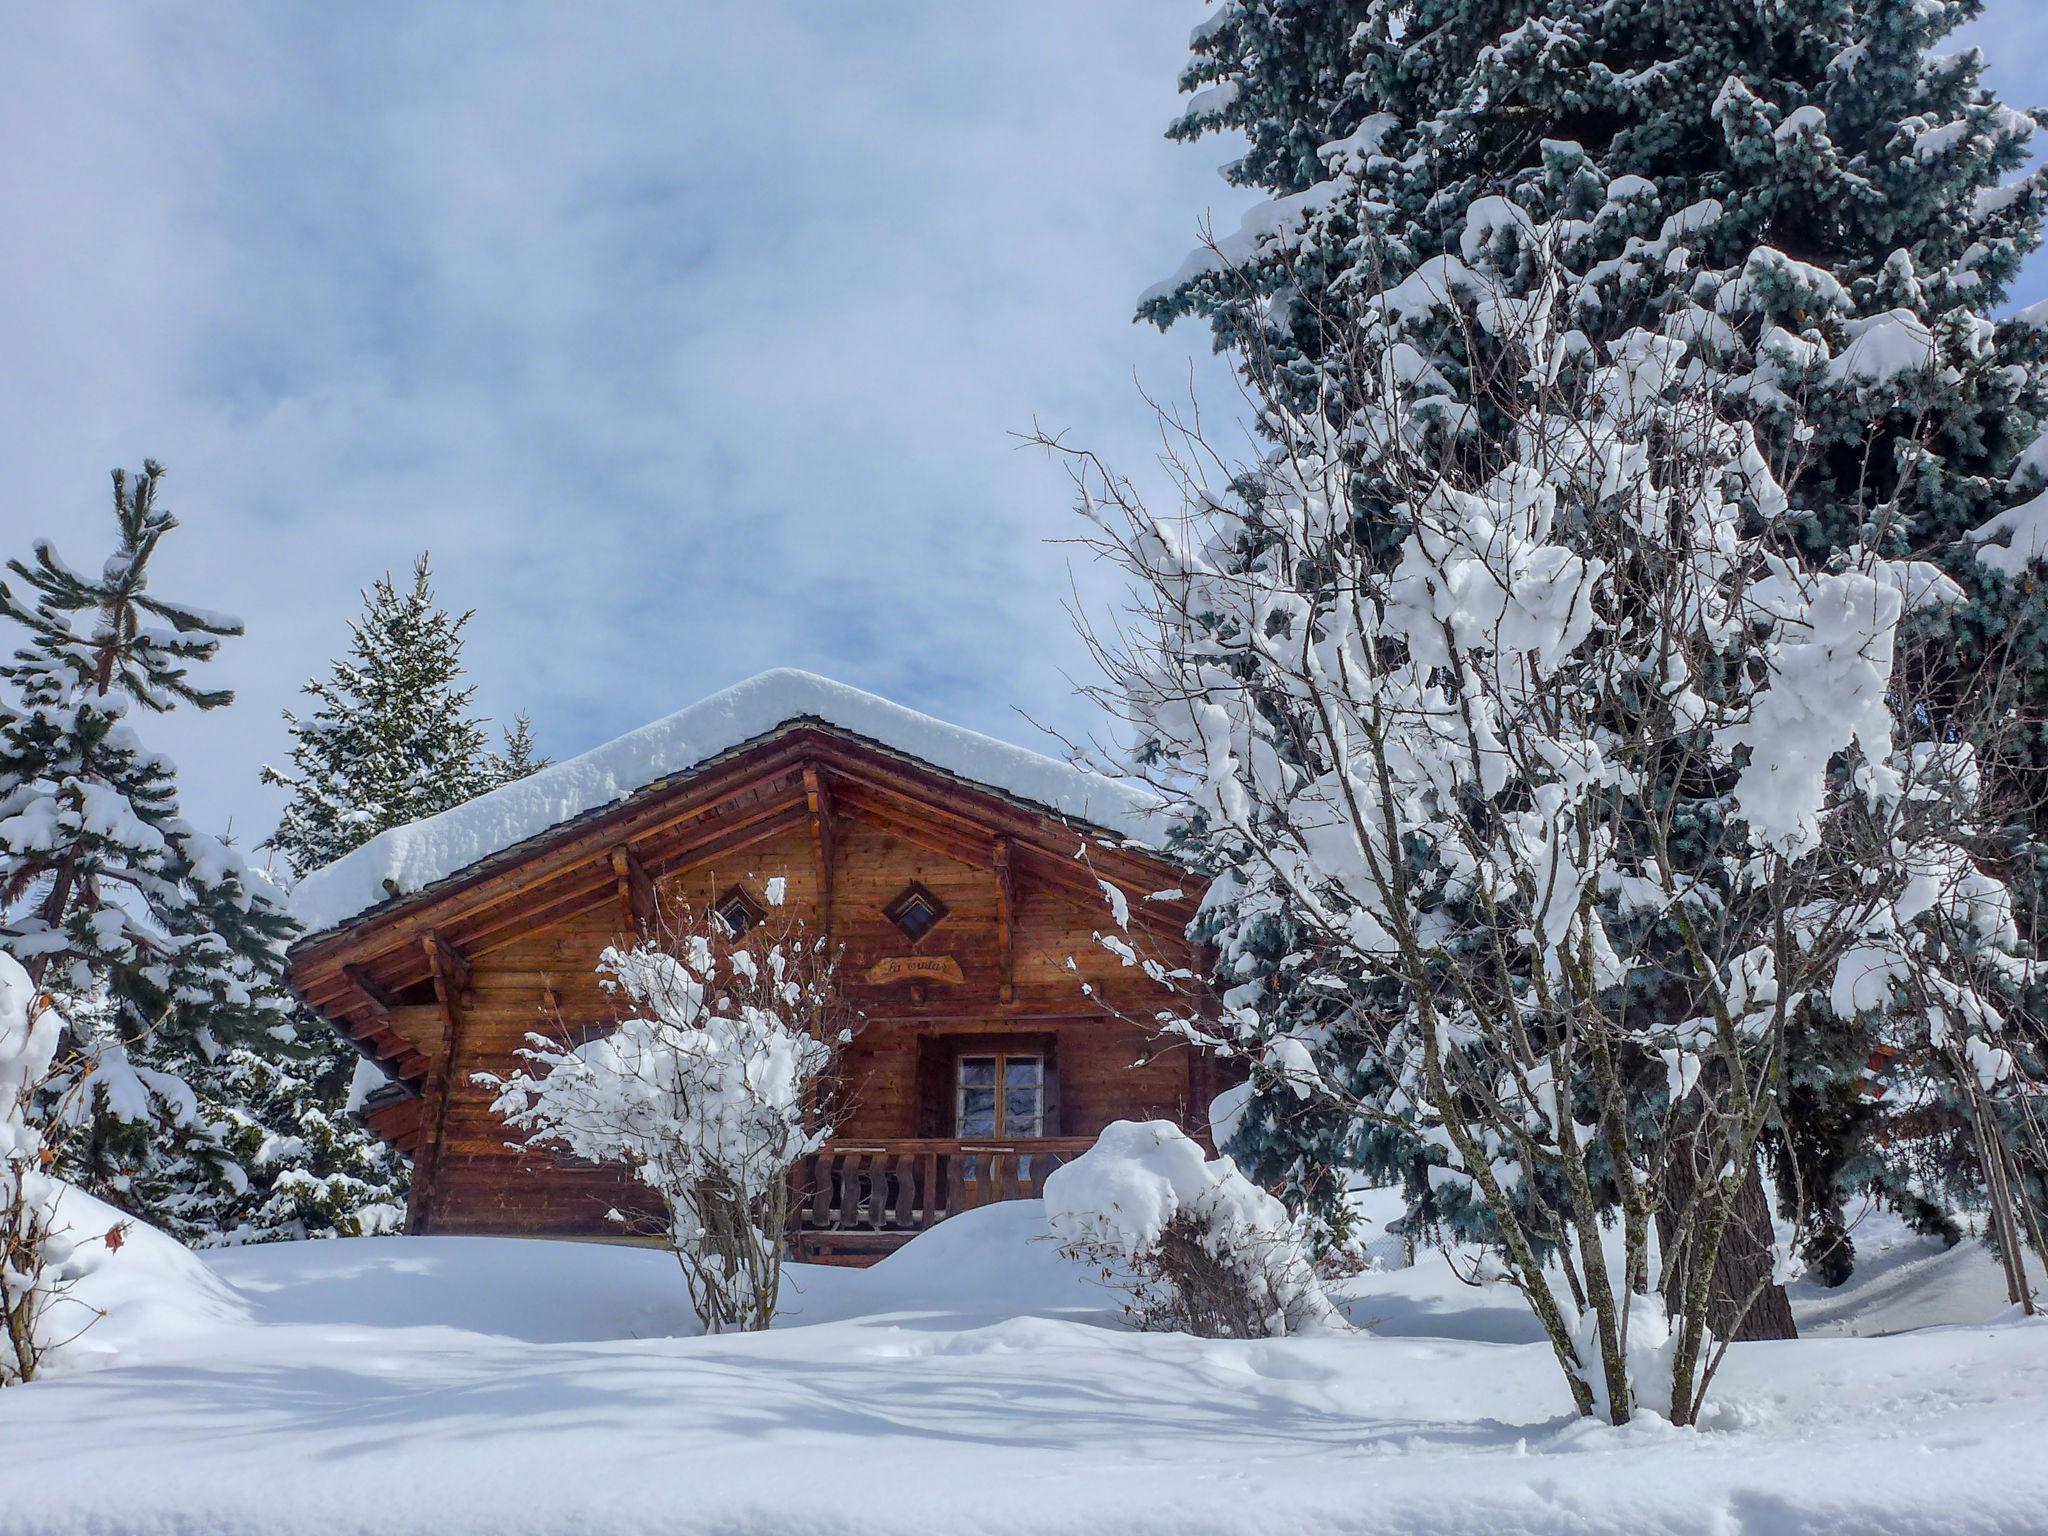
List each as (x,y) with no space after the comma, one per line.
(1021,919)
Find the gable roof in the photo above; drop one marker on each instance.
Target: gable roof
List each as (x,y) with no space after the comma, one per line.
(426,852)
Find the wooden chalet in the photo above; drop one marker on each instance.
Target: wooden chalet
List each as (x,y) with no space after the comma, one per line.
(990,1047)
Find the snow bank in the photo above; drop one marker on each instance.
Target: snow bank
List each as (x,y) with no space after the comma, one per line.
(156,1294)
(416,856)
(525,1289)
(1140,1175)
(982,1266)
(486,1386)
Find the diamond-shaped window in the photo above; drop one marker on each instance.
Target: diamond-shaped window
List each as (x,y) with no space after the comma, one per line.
(737,912)
(916,912)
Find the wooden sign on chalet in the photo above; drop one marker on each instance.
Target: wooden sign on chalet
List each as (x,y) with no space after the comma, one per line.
(958,875)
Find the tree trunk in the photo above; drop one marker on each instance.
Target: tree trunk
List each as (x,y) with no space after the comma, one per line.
(1743,1263)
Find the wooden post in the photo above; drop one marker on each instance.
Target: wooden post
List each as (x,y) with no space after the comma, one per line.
(636,892)
(452,980)
(1006,919)
(818,800)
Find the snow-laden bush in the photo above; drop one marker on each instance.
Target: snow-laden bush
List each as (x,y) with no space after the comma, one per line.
(1565,823)
(41,1256)
(1202,1248)
(709,1091)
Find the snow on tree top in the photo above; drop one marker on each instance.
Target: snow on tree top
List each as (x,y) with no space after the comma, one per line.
(419,854)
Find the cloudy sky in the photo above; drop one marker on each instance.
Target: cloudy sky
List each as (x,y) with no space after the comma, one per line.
(691,340)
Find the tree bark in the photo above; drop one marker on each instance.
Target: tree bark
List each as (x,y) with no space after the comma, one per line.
(1743,1264)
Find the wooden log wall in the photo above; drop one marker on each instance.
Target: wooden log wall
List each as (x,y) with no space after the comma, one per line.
(846,842)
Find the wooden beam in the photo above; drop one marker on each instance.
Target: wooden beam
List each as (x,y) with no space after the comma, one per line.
(576,894)
(1081,884)
(515,926)
(818,802)
(504,877)
(505,881)
(1006,921)
(452,976)
(380,1001)
(857,801)
(636,892)
(451,981)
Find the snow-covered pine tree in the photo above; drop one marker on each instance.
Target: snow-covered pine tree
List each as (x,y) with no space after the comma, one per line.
(166,947)
(390,738)
(519,756)
(107,887)
(1839,193)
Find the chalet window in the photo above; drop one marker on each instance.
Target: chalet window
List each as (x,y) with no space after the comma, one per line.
(737,912)
(1000,1095)
(916,912)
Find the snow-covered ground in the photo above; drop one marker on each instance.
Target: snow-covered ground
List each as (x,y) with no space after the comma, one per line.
(975,1384)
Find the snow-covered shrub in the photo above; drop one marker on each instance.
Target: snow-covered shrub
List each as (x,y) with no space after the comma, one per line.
(41,1256)
(710,1091)
(1556,810)
(1202,1249)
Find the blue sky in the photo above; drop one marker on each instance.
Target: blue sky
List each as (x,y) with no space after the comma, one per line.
(691,340)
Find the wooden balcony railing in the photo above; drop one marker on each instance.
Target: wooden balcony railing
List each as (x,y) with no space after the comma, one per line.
(892,1187)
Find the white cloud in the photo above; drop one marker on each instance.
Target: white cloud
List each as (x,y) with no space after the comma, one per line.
(691,343)
(689,338)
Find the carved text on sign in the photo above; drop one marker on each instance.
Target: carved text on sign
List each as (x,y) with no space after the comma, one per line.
(916,968)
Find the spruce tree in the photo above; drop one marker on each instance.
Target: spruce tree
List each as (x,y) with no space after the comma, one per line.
(1826,210)
(107,887)
(165,946)
(519,756)
(390,738)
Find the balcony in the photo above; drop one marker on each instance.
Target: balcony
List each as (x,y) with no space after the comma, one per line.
(855,1201)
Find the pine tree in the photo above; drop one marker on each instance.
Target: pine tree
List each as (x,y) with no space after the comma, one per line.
(107,887)
(390,739)
(166,948)
(1808,195)
(520,756)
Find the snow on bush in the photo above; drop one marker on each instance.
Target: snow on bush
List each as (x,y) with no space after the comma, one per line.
(41,1256)
(1205,1250)
(1557,811)
(709,1091)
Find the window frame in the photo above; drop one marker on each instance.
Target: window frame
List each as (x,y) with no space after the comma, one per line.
(1002,1059)
(741,897)
(915,894)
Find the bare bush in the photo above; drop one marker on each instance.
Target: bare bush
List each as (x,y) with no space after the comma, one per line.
(42,1255)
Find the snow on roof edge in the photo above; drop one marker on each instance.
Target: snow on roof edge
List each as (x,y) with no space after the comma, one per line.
(424,853)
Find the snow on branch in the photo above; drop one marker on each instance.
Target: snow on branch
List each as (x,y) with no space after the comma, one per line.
(710,1088)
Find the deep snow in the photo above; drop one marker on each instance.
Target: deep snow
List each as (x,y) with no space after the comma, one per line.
(975,1383)
(416,856)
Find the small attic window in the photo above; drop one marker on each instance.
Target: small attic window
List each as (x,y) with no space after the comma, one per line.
(737,912)
(916,912)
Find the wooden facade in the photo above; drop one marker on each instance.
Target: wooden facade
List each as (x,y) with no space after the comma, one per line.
(1007,1000)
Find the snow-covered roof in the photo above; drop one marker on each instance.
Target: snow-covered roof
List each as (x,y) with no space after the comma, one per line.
(418,855)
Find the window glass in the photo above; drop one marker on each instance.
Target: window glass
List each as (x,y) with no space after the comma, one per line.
(1023,1097)
(1000,1096)
(977,1104)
